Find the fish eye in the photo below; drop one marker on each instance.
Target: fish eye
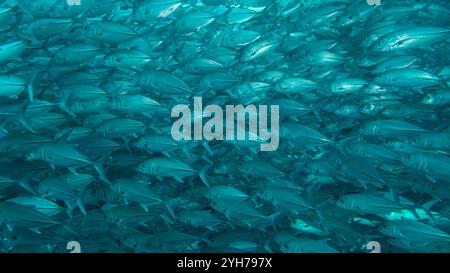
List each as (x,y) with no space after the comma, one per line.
(87,28)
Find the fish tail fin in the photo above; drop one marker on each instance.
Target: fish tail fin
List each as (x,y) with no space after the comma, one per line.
(414,212)
(395,196)
(267,246)
(170,204)
(319,214)
(30,88)
(204,90)
(424,10)
(116,91)
(25,124)
(3,130)
(113,11)
(69,211)
(340,145)
(63,137)
(429,204)
(273,217)
(70,229)
(24,183)
(63,105)
(206,158)
(427,208)
(206,146)
(186,150)
(127,145)
(442,126)
(166,219)
(340,148)
(317,113)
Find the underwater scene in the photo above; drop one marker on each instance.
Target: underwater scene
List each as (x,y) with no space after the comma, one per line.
(113,116)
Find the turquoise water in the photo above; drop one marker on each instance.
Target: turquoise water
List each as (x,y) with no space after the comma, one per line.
(87,90)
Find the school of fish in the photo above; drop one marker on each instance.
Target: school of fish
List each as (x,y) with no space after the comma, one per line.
(86,154)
